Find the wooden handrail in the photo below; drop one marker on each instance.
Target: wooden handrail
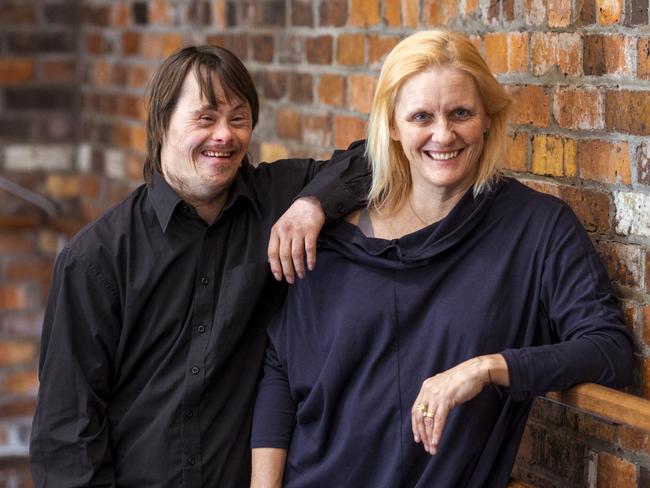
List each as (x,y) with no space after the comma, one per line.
(613,405)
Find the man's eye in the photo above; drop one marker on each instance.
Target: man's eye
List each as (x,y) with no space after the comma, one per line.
(205,118)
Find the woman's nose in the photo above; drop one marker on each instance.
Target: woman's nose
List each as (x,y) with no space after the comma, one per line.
(442,131)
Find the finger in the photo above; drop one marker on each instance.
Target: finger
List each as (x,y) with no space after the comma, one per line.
(310,248)
(298,256)
(428,428)
(438,427)
(273,252)
(286,260)
(416,419)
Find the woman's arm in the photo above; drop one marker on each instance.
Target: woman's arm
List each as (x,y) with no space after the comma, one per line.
(268,467)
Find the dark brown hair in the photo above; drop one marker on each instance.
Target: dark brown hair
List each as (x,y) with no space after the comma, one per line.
(165,87)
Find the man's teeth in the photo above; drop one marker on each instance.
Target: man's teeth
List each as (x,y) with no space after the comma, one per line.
(442,155)
(217,154)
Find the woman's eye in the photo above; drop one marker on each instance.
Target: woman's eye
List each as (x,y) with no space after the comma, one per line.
(462,113)
(421,117)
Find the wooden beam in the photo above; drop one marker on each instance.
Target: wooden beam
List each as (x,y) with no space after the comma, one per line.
(613,405)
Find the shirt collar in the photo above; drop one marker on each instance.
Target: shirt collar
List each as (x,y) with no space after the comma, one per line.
(164,199)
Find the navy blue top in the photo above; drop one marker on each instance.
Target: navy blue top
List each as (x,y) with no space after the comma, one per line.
(511,271)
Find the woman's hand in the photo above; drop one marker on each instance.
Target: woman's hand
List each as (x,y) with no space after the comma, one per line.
(442,392)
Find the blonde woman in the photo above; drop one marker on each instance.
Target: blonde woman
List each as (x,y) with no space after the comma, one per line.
(411,355)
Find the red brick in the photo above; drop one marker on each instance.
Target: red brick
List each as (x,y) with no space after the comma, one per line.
(607,54)
(552,51)
(586,12)
(331,90)
(122,15)
(530,105)
(609,11)
(410,13)
(301,87)
(364,13)
(348,129)
(534,12)
(138,76)
(333,13)
(627,111)
(218,13)
(588,425)
(13,242)
(59,70)
(643,58)
(393,12)
(317,131)
(633,440)
(361,89)
(94,43)
(579,108)
(16,352)
(274,84)
(440,12)
(614,472)
(131,43)
(517,153)
(496,52)
(623,262)
(262,48)
(22,407)
(21,383)
(102,72)
(16,14)
(471,7)
(319,50)
(137,138)
(302,13)
(646,322)
(559,13)
(13,298)
(591,207)
(288,124)
(16,70)
(159,46)
(553,155)
(351,49)
(518,52)
(603,161)
(379,46)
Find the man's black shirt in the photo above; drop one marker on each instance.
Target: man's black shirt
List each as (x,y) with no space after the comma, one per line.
(154,332)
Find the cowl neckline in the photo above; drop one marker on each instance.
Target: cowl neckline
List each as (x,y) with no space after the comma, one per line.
(416,248)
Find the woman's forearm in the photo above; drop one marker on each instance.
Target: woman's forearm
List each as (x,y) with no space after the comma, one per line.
(268,467)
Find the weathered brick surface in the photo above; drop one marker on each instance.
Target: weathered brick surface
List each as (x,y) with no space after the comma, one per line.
(531,106)
(614,472)
(604,161)
(579,108)
(627,111)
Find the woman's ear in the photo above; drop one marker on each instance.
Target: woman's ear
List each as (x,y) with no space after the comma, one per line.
(392,130)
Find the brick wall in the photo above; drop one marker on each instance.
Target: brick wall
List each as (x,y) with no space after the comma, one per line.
(71,79)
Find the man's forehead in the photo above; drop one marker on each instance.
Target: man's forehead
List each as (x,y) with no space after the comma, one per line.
(207,89)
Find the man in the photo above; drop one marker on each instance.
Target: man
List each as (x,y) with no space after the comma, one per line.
(155,325)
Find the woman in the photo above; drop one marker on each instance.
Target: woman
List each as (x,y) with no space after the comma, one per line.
(411,355)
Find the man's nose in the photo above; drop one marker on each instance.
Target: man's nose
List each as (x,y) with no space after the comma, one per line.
(221,132)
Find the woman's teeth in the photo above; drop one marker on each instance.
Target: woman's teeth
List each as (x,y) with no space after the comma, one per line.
(442,156)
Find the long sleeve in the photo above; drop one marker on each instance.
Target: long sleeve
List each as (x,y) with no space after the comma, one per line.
(581,309)
(275,410)
(340,184)
(70,439)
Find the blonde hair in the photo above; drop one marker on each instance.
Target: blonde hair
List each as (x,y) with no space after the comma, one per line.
(391,179)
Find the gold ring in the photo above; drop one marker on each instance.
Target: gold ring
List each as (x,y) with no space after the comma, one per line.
(420,407)
(429,415)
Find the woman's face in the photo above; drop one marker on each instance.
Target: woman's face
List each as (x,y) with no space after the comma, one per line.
(440,122)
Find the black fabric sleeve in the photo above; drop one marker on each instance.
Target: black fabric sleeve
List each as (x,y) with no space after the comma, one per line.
(340,184)
(583,312)
(275,410)
(70,440)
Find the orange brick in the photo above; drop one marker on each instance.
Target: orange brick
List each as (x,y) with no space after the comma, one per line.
(364,13)
(591,207)
(159,12)
(21,383)
(137,76)
(607,162)
(102,72)
(331,90)
(218,13)
(591,426)
(554,156)
(16,352)
(471,7)
(89,184)
(319,50)
(121,14)
(410,13)
(530,105)
(94,43)
(632,439)
(380,46)
(171,44)
(556,51)
(614,472)
(158,46)
(496,52)
(361,89)
(131,43)
(272,152)
(59,70)
(518,52)
(133,166)
(517,153)
(608,54)
(289,124)
(13,298)
(16,70)
(627,111)
(643,57)
(12,242)
(351,49)
(440,12)
(393,12)
(347,130)
(559,13)
(534,12)
(609,11)
(138,138)
(62,186)
(579,108)
(317,131)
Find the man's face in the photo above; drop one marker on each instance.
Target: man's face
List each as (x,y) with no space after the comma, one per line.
(205,145)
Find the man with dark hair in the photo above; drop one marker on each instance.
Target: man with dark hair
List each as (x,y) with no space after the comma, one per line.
(154,330)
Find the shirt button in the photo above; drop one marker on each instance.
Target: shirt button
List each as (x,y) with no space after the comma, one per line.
(195,370)
(205,281)
(190,460)
(201,329)
(188,413)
